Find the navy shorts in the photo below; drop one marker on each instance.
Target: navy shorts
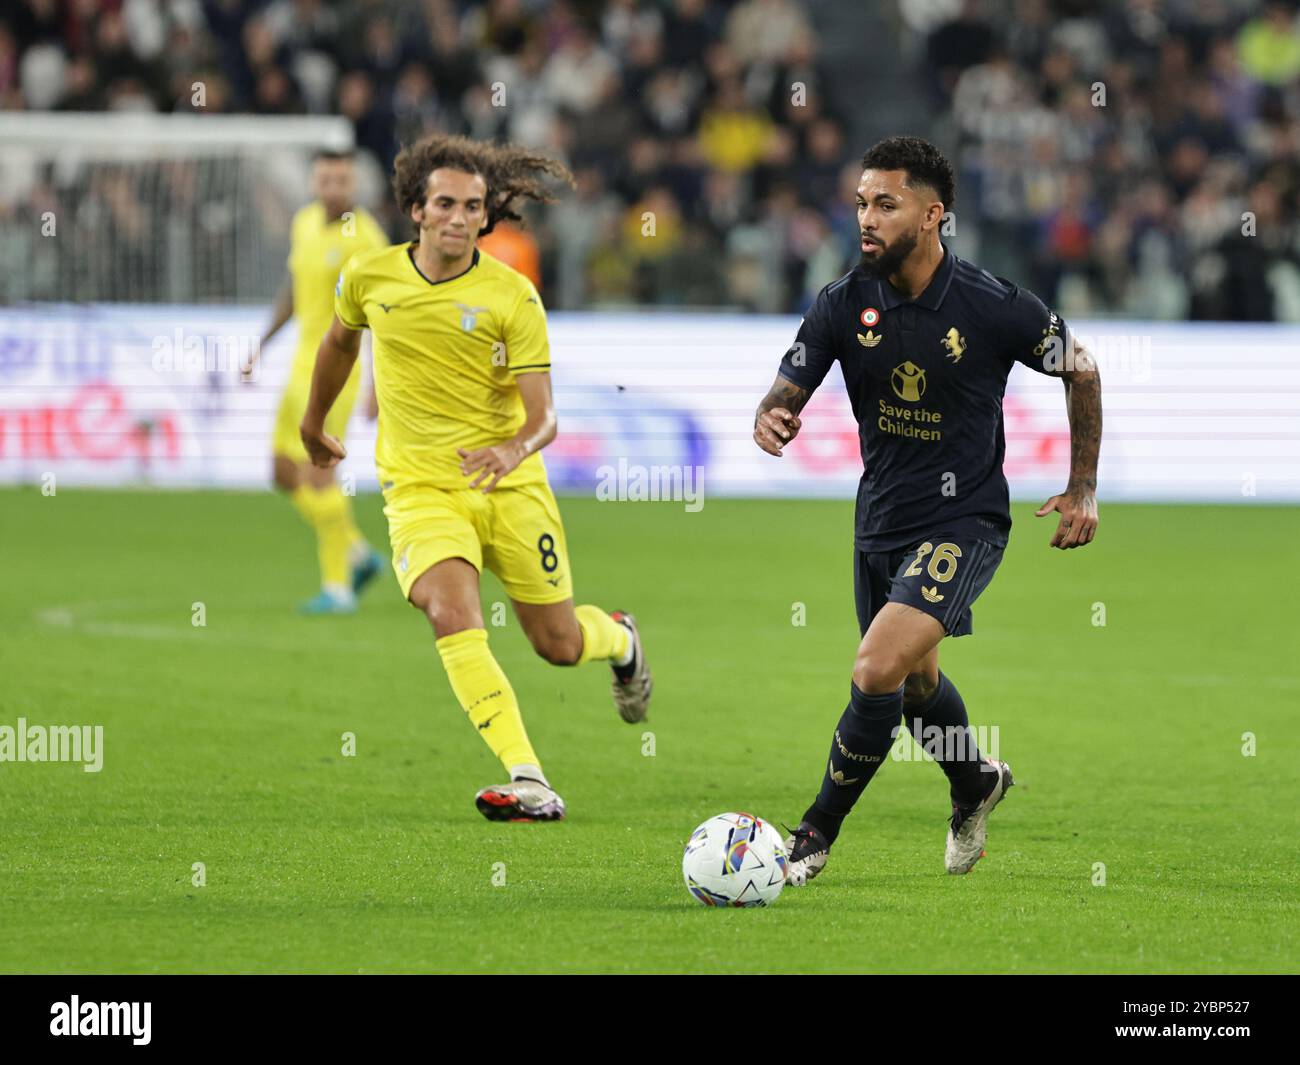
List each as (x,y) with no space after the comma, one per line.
(941,575)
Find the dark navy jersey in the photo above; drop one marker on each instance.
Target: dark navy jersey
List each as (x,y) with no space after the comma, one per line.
(926,378)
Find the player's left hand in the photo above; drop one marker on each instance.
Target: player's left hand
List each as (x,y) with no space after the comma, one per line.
(1078,524)
(322,449)
(493,463)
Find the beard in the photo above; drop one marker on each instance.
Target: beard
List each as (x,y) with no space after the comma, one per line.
(889,259)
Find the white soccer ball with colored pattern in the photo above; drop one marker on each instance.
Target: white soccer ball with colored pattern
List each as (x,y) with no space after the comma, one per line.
(735,859)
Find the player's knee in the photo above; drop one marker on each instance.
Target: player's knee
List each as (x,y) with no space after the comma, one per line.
(285,479)
(560,647)
(877,674)
(449,618)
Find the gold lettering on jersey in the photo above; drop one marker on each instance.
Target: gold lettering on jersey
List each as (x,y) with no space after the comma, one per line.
(1051,335)
(915,423)
(955,343)
(908,381)
(870,340)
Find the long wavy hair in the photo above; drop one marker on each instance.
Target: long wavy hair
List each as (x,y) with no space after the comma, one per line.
(510,172)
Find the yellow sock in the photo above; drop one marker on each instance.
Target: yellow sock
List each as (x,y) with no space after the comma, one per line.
(333,520)
(303,499)
(486,696)
(603,638)
(307,502)
(356,538)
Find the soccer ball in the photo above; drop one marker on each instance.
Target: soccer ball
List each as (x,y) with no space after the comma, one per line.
(735,860)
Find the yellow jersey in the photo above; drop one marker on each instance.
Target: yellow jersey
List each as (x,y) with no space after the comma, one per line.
(317,251)
(446,358)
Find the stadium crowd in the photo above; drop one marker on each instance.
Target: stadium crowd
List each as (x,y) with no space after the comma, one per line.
(1136,157)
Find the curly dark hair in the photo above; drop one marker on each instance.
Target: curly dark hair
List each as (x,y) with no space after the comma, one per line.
(923,162)
(509,171)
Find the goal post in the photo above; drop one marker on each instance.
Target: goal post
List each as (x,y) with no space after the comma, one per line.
(147,208)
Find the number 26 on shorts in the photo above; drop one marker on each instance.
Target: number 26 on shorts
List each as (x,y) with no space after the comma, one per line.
(943,561)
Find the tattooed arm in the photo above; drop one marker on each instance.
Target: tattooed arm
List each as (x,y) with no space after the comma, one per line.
(1078,503)
(776,422)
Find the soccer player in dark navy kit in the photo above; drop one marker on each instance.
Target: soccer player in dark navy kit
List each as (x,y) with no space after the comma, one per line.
(925,341)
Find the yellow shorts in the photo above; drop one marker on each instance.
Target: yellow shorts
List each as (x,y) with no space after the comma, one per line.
(515,532)
(293,403)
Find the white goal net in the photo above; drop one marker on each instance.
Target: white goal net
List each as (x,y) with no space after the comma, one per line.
(152,208)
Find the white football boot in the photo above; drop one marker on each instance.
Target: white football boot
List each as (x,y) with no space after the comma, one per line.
(969,826)
(520,800)
(632,682)
(806,852)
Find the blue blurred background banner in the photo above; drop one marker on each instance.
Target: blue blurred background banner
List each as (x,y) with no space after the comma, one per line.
(114,394)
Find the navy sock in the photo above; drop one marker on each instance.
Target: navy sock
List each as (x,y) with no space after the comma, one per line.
(942,729)
(866,731)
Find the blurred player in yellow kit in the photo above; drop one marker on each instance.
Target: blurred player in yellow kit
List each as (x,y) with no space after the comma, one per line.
(462,374)
(324,235)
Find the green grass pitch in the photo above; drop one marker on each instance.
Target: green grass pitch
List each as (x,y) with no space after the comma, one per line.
(222,745)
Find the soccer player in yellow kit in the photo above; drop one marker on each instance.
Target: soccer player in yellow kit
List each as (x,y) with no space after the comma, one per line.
(324,235)
(462,375)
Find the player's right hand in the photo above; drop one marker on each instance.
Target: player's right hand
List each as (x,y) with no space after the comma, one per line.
(775,428)
(322,448)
